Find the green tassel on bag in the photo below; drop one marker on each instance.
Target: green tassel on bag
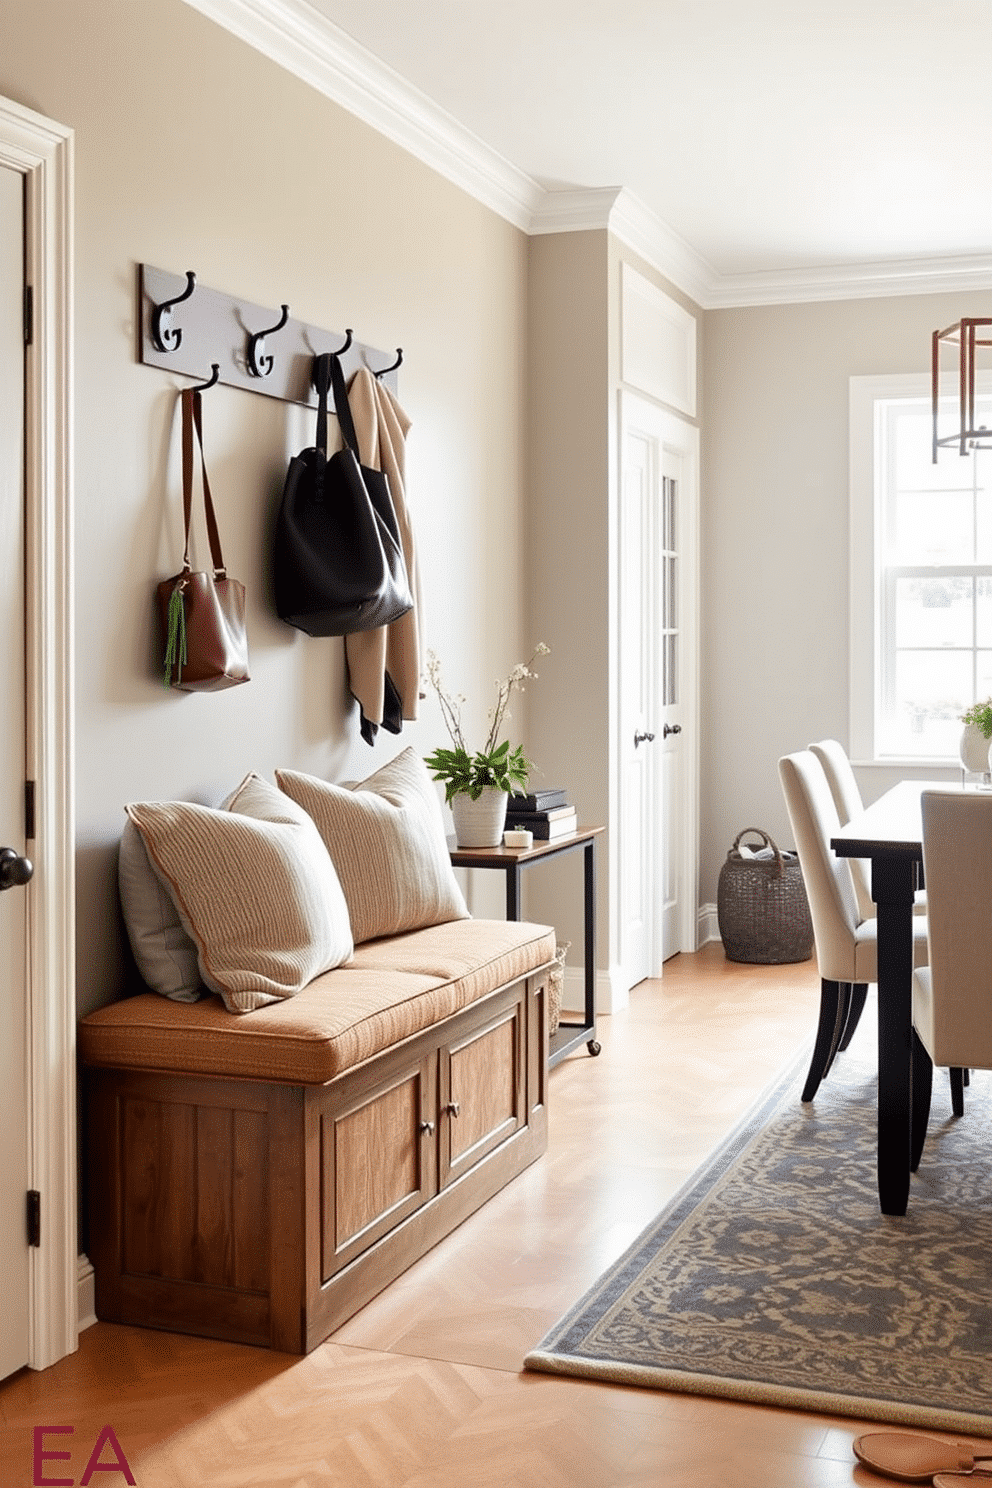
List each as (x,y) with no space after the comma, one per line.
(175,647)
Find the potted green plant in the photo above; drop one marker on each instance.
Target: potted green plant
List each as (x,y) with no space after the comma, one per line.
(477,785)
(976,737)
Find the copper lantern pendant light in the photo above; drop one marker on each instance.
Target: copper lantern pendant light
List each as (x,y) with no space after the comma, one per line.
(964,334)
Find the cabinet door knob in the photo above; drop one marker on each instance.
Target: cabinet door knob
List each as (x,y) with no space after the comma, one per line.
(640,738)
(453,1107)
(427,1127)
(672,728)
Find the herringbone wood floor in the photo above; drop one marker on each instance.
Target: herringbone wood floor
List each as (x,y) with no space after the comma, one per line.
(423,1388)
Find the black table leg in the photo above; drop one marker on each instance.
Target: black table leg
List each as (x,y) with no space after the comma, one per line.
(893,886)
(593,1045)
(513,891)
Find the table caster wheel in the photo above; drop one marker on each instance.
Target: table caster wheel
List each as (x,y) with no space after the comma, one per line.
(594,1046)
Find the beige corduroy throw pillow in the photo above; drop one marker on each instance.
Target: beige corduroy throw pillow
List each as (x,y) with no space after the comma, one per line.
(254,888)
(386,840)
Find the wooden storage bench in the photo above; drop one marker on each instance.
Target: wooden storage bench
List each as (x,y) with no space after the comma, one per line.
(259,1177)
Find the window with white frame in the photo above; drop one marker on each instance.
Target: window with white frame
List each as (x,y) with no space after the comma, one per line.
(921,575)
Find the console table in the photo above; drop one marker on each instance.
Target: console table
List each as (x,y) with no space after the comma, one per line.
(512,861)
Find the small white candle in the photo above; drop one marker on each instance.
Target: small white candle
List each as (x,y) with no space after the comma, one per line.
(518,837)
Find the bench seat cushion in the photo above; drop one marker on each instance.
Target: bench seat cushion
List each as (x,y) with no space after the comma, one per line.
(392,989)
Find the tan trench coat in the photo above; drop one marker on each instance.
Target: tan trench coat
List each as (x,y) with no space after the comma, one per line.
(384,665)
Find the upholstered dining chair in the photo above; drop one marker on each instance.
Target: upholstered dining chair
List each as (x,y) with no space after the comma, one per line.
(952,993)
(846,942)
(847,798)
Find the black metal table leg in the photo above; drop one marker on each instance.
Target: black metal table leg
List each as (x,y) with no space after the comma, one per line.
(513,891)
(893,886)
(589,878)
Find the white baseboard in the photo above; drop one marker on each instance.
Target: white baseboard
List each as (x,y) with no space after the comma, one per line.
(707,926)
(86,1292)
(611,993)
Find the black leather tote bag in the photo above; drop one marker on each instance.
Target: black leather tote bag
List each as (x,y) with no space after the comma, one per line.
(338,564)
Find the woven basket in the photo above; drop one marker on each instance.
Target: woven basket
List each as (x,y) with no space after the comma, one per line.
(556,986)
(761,904)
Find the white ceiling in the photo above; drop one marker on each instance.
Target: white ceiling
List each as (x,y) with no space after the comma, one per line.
(771,149)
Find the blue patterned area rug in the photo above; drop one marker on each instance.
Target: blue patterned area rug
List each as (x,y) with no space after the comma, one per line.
(773,1277)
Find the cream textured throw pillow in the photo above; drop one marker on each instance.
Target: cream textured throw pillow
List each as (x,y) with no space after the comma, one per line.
(163,952)
(386,838)
(255,889)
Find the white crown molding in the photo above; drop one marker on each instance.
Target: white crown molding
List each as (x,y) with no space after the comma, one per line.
(297,37)
(618,210)
(641,229)
(885,277)
(574,210)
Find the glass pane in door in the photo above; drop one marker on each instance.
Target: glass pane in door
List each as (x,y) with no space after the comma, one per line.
(670,595)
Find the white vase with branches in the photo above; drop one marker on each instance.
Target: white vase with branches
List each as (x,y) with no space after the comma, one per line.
(477,786)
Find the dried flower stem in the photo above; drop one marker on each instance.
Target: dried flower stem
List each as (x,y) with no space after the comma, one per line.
(516,678)
(451,706)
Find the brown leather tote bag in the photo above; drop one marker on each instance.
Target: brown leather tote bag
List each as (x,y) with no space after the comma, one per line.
(204,635)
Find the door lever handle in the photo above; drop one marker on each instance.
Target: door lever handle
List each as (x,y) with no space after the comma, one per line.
(642,739)
(14,869)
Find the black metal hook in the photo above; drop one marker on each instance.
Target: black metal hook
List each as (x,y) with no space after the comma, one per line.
(393,365)
(201,387)
(166,336)
(340,352)
(260,364)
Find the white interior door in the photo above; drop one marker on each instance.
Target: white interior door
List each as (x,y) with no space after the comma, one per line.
(657,687)
(14,1317)
(641,807)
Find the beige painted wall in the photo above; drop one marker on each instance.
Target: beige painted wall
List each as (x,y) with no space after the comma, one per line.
(192,151)
(566,547)
(574,372)
(775,539)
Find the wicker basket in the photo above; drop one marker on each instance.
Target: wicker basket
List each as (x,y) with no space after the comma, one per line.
(556,986)
(761,904)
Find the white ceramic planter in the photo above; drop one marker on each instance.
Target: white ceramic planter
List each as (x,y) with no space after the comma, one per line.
(974,749)
(480,823)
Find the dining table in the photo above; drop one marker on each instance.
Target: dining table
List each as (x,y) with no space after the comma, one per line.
(890,834)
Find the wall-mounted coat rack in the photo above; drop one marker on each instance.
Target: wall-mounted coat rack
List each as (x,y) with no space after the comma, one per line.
(187,328)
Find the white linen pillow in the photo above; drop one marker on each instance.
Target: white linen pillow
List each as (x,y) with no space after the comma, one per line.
(254,888)
(165,955)
(386,839)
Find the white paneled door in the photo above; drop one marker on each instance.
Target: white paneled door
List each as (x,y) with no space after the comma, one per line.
(14,1329)
(657,687)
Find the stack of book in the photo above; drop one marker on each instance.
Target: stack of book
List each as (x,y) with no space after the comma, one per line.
(546,813)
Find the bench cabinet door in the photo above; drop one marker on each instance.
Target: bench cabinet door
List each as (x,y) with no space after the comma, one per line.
(482,1089)
(379,1160)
